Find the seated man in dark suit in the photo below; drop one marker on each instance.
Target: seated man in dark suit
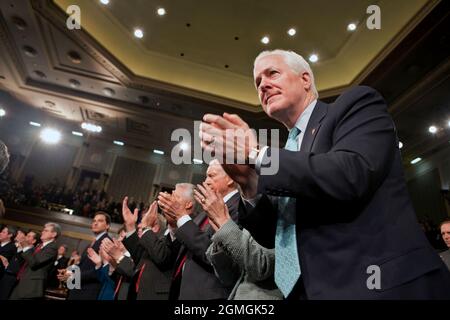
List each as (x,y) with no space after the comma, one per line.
(336,204)
(90,286)
(445,233)
(60,263)
(12,266)
(194,277)
(33,274)
(7,246)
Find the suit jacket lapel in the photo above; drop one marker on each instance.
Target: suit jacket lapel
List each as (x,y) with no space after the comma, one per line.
(313,126)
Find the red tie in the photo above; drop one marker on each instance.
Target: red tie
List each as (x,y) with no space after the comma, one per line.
(180,266)
(118,287)
(139,277)
(24,266)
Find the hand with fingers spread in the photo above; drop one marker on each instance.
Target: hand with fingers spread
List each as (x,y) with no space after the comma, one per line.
(230,135)
(151,216)
(170,206)
(213,205)
(94,257)
(112,248)
(129,218)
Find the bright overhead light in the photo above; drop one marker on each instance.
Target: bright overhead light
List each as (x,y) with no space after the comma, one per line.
(265,40)
(138,33)
(197,161)
(76,133)
(432,129)
(91,127)
(351,26)
(105,2)
(119,143)
(50,136)
(158,151)
(400,145)
(416,160)
(35,124)
(2,112)
(184,146)
(313,58)
(448,123)
(161,11)
(292,32)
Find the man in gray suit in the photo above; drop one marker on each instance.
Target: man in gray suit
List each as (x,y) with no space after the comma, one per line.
(33,274)
(445,233)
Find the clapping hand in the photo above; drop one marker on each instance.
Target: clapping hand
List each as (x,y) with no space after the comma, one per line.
(129,218)
(212,203)
(94,257)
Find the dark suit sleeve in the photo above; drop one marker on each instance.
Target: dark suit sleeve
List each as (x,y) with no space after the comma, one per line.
(42,258)
(196,240)
(126,267)
(131,243)
(158,249)
(363,146)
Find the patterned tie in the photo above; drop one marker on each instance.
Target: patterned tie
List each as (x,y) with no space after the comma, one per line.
(287,265)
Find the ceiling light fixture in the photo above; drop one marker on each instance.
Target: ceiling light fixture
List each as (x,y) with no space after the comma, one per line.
(105,2)
(197,161)
(76,133)
(161,11)
(91,127)
(34,124)
(351,26)
(292,32)
(2,112)
(313,58)
(432,129)
(400,145)
(158,151)
(119,143)
(416,160)
(50,136)
(265,40)
(138,33)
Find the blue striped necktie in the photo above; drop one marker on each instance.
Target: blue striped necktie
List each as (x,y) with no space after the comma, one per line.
(287,264)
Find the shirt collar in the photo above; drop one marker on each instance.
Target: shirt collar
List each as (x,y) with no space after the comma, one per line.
(46,243)
(99,236)
(302,121)
(229,195)
(5,243)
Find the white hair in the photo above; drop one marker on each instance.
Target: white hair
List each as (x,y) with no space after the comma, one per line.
(295,61)
(55,228)
(188,192)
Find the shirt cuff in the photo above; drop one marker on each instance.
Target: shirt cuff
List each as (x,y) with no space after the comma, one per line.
(183,220)
(260,158)
(127,254)
(144,231)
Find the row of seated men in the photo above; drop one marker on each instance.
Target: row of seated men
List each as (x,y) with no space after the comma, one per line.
(194,249)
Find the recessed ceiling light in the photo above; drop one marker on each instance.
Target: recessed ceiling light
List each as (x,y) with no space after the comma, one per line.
(2,112)
(35,124)
(265,40)
(91,127)
(400,145)
(432,129)
(76,133)
(161,11)
(105,2)
(197,161)
(351,26)
(448,123)
(313,58)
(138,33)
(50,136)
(158,151)
(119,143)
(416,160)
(292,32)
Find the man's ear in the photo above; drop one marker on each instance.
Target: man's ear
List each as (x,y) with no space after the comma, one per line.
(189,205)
(306,77)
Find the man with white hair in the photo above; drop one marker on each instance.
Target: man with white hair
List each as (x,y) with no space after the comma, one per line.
(33,274)
(193,277)
(337,209)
